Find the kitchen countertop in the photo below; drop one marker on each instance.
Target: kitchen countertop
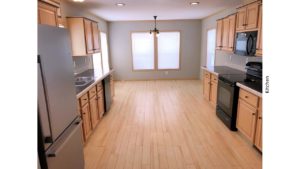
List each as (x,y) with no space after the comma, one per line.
(255,88)
(98,76)
(252,88)
(222,70)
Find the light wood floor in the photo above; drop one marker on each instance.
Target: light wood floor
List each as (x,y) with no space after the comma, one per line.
(165,125)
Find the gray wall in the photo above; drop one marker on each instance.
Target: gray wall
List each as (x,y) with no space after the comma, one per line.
(82,63)
(121,56)
(222,57)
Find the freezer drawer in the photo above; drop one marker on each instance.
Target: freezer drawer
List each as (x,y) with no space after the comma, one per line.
(67,151)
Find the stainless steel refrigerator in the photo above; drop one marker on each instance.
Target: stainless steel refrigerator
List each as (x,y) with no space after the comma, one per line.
(59,124)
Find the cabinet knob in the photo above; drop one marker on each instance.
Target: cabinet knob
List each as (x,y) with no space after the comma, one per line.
(246,97)
(259,117)
(253,114)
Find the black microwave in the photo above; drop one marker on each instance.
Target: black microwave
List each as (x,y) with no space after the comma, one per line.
(245,43)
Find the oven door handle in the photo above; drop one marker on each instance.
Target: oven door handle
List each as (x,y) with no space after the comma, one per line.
(228,84)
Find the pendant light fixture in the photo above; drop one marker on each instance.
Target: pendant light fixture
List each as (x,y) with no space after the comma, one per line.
(155,30)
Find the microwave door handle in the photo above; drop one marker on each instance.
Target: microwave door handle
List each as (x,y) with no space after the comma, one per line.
(249,41)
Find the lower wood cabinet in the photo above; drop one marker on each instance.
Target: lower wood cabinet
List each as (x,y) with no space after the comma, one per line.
(210,87)
(86,121)
(95,117)
(100,103)
(249,117)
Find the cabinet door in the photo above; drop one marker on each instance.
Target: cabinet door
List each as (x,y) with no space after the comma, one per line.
(86,120)
(259,36)
(240,19)
(246,118)
(213,93)
(225,33)
(47,14)
(206,87)
(219,33)
(96,39)
(100,103)
(252,16)
(258,132)
(94,111)
(231,32)
(88,36)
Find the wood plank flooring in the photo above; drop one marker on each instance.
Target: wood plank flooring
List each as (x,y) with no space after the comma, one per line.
(165,124)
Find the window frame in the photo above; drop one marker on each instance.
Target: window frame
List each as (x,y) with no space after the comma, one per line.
(156,52)
(109,59)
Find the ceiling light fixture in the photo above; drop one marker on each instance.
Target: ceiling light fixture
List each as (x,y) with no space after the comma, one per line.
(78,0)
(120,4)
(194,3)
(155,30)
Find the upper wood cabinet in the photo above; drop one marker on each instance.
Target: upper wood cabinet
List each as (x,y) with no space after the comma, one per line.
(247,17)
(84,36)
(47,14)
(96,39)
(259,36)
(226,33)
(88,36)
(52,2)
(219,33)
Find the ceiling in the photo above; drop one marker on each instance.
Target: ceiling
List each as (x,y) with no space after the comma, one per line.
(146,9)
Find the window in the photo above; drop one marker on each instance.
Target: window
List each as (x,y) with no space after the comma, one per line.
(142,51)
(150,52)
(104,52)
(211,44)
(168,46)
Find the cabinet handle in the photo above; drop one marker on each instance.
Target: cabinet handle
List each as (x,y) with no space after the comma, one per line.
(259,117)
(84,99)
(246,97)
(253,114)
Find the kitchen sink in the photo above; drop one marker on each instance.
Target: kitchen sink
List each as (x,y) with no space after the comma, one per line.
(82,81)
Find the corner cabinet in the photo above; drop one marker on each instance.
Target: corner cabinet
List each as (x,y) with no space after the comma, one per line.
(226,33)
(84,36)
(247,17)
(249,117)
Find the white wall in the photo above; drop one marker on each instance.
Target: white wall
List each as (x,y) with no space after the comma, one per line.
(222,58)
(121,57)
(82,63)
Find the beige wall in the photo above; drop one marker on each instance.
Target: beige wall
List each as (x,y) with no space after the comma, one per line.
(120,49)
(68,9)
(222,58)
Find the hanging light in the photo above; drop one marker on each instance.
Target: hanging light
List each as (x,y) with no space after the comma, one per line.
(155,30)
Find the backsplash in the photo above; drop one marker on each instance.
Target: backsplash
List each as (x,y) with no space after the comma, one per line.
(82,63)
(224,58)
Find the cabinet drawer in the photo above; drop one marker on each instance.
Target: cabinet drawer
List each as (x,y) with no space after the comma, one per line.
(99,86)
(214,78)
(206,74)
(84,99)
(92,92)
(249,97)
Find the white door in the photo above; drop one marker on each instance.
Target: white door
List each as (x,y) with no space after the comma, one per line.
(211,46)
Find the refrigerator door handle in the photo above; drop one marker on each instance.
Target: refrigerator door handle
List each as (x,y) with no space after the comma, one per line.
(61,142)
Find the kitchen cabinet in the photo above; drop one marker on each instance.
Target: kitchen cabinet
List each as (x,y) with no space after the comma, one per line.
(246,119)
(247,17)
(47,14)
(52,2)
(249,117)
(96,40)
(219,33)
(84,33)
(259,36)
(210,87)
(95,117)
(226,33)
(100,100)
(86,122)
(206,85)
